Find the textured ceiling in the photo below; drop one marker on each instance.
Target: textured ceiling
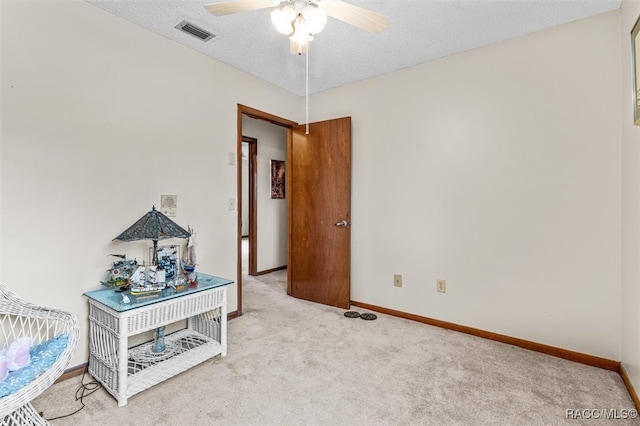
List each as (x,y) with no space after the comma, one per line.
(418,31)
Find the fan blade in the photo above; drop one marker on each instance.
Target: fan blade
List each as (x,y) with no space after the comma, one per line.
(229,7)
(355,15)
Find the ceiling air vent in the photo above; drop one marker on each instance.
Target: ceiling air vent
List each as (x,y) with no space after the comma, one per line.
(188,28)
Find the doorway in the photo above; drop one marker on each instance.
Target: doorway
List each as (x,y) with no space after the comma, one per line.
(256,260)
(317,245)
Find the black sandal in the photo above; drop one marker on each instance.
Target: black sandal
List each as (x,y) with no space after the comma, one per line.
(368,317)
(352,314)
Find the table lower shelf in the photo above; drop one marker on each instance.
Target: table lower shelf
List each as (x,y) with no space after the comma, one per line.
(142,356)
(185,349)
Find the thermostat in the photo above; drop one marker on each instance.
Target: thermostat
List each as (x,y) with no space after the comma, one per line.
(169,204)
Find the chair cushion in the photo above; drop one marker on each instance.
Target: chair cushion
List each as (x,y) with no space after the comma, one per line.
(42,358)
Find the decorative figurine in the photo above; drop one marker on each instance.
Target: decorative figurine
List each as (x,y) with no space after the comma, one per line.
(189,260)
(168,260)
(122,270)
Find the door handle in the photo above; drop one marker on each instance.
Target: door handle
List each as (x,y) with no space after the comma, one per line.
(343,224)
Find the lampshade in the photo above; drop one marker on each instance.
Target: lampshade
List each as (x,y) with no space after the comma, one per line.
(300,34)
(315,19)
(283,18)
(153,226)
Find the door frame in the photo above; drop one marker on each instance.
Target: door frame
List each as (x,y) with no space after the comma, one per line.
(253,204)
(274,119)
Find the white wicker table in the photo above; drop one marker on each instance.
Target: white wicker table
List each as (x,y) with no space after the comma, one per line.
(125,371)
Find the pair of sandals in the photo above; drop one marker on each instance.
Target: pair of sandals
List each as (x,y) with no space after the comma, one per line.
(366,316)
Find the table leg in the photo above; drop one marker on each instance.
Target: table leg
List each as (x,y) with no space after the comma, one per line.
(223,323)
(122,364)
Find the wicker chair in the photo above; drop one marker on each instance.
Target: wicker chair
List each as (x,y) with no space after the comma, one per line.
(23,319)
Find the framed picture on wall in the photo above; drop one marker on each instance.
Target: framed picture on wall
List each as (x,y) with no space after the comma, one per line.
(277,179)
(635,68)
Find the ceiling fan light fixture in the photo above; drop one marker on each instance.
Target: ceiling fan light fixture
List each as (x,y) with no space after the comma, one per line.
(315,19)
(300,34)
(300,21)
(283,19)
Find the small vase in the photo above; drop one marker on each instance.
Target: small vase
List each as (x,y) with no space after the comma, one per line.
(158,343)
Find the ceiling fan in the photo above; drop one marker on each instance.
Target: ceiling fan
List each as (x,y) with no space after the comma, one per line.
(302,19)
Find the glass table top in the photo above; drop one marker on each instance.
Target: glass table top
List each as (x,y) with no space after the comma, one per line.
(114,299)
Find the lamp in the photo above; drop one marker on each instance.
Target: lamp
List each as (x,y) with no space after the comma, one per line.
(283,18)
(301,35)
(300,22)
(315,19)
(154,226)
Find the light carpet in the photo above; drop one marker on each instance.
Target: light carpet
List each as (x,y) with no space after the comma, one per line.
(292,362)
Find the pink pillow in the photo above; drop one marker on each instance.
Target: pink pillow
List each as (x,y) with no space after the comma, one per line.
(17,354)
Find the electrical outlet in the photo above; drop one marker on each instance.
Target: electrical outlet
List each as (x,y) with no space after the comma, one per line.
(442,286)
(231,205)
(397,280)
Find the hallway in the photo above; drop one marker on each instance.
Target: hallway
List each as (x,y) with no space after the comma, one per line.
(276,279)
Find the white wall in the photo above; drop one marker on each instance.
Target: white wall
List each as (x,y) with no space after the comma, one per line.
(630,11)
(498,170)
(100,117)
(272,213)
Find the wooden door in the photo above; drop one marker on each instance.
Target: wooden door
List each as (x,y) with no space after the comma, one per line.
(319,192)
